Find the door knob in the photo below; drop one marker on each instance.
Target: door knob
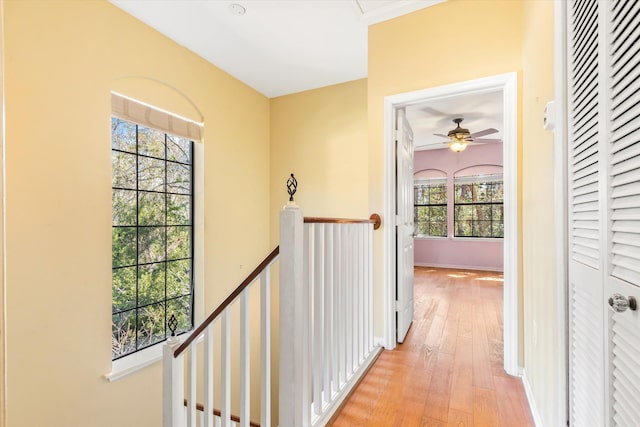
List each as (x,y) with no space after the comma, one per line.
(619,303)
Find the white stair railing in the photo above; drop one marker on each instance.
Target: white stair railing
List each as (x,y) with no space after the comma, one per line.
(325,329)
(178,393)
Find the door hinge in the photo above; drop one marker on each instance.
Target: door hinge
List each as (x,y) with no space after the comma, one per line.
(396,305)
(398,134)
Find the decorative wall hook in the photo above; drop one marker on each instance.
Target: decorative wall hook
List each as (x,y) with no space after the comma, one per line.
(292,185)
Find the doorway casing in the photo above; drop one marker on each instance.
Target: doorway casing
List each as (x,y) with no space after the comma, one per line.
(507,83)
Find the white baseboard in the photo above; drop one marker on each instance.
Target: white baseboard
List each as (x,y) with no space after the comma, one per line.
(459,267)
(532,403)
(378,341)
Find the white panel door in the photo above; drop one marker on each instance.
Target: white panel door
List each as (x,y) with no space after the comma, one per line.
(604,207)
(404,225)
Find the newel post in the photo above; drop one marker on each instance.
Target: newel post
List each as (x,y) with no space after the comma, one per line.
(172,381)
(294,405)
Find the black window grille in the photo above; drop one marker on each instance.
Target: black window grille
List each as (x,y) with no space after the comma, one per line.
(430,208)
(152,235)
(478,207)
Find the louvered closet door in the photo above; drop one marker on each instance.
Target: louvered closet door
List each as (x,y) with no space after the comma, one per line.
(604,205)
(623,262)
(586,312)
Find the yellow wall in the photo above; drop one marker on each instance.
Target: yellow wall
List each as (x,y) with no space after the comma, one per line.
(539,252)
(62,59)
(423,50)
(321,136)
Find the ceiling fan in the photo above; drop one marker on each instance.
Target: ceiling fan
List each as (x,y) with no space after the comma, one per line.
(459,137)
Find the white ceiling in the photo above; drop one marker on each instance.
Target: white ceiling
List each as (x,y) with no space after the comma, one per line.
(480,111)
(277,47)
(280,47)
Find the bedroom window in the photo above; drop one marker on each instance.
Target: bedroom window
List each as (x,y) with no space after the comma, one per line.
(152,234)
(478,206)
(430,207)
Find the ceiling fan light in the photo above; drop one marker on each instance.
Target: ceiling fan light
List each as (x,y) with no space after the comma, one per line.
(458,146)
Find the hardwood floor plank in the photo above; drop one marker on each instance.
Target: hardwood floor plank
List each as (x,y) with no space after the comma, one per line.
(448,371)
(462,378)
(437,406)
(459,419)
(512,404)
(485,408)
(482,372)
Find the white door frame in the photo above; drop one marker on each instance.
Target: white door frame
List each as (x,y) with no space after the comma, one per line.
(560,153)
(508,84)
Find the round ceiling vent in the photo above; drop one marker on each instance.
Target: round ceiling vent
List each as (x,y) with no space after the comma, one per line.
(237,9)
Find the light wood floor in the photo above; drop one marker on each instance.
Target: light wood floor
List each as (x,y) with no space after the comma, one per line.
(448,372)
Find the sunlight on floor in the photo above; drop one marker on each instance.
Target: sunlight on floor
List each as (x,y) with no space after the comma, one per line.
(491,279)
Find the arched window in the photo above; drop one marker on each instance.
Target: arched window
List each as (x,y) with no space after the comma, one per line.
(152,224)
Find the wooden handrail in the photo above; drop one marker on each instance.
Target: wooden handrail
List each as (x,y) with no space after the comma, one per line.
(246,282)
(373,219)
(217,413)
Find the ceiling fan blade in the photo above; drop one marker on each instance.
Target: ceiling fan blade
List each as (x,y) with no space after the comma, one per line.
(483,133)
(431,146)
(487,140)
(439,134)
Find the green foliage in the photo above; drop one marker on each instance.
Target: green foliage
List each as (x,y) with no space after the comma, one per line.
(151,235)
(430,212)
(479,211)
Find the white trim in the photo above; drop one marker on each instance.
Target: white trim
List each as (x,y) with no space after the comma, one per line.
(459,267)
(141,359)
(134,362)
(537,420)
(395,9)
(507,83)
(560,178)
(378,341)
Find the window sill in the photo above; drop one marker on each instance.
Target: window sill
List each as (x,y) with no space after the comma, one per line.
(134,362)
(478,239)
(141,359)
(430,238)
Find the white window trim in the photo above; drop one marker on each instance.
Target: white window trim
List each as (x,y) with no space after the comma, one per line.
(134,362)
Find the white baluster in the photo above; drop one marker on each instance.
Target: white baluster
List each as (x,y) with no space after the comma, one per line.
(361,300)
(337,326)
(367,341)
(208,377)
(328,310)
(225,386)
(191,386)
(342,330)
(318,310)
(265,348)
(245,366)
(308,285)
(172,385)
(349,300)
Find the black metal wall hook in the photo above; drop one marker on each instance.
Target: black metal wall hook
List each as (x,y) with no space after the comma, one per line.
(292,186)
